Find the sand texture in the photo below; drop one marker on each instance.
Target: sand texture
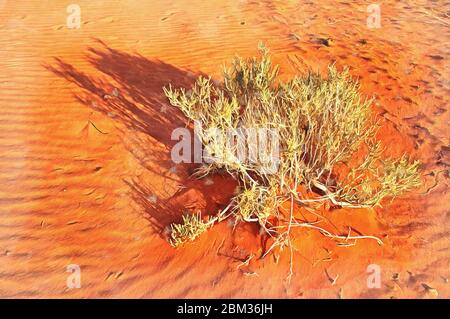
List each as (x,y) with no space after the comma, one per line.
(86,176)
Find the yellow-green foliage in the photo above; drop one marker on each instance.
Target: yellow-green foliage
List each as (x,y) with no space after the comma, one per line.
(191,227)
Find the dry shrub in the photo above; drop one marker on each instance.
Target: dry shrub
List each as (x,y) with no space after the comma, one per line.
(323,125)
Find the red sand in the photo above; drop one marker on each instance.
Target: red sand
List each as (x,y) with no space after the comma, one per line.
(79,166)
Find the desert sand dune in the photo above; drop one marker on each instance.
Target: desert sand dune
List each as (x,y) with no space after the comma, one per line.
(86,176)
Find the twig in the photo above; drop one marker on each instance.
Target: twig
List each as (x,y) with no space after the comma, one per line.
(92,123)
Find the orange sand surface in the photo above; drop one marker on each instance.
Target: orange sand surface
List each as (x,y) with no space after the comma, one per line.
(85,171)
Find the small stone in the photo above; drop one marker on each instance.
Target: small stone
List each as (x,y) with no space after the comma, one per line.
(362,41)
(324,41)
